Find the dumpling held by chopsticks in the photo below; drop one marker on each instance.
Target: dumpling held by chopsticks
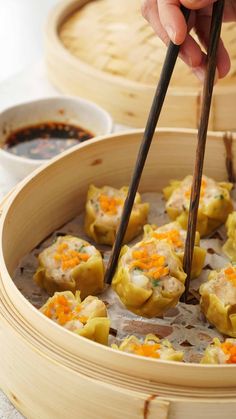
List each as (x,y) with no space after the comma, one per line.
(149,278)
(175,235)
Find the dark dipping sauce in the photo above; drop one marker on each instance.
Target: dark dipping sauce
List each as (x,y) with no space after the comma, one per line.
(45,140)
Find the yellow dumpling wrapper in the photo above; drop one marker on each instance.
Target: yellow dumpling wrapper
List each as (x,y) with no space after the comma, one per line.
(175,235)
(103,212)
(151,347)
(220,352)
(149,278)
(70,264)
(229,247)
(218,300)
(214,206)
(87,318)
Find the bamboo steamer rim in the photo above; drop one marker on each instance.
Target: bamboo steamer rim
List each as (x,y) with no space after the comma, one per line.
(17,310)
(57,17)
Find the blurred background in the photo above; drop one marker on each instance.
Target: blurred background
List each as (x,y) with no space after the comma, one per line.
(21,35)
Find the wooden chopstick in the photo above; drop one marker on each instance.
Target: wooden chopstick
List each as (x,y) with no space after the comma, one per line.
(215,30)
(166,73)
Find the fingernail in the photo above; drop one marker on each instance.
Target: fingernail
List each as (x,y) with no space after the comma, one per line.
(171,33)
(199,72)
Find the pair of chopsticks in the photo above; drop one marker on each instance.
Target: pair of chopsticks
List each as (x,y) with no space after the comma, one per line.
(167,70)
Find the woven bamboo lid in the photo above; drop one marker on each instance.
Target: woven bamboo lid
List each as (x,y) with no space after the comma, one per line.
(113,37)
(105,51)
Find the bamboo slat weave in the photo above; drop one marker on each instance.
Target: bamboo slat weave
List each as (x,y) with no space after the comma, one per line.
(113,37)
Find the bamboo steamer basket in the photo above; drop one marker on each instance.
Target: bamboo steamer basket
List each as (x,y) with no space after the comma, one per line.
(48,372)
(105,51)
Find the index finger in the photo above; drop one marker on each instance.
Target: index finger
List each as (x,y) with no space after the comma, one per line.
(172,19)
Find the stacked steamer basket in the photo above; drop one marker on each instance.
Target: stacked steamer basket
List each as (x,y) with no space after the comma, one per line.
(49,372)
(105,51)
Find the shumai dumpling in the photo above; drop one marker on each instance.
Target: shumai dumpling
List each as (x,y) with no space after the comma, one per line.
(214,206)
(70,264)
(229,247)
(220,353)
(175,235)
(149,278)
(152,347)
(87,318)
(103,213)
(218,300)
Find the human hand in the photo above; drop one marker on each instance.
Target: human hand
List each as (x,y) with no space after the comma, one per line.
(169,23)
